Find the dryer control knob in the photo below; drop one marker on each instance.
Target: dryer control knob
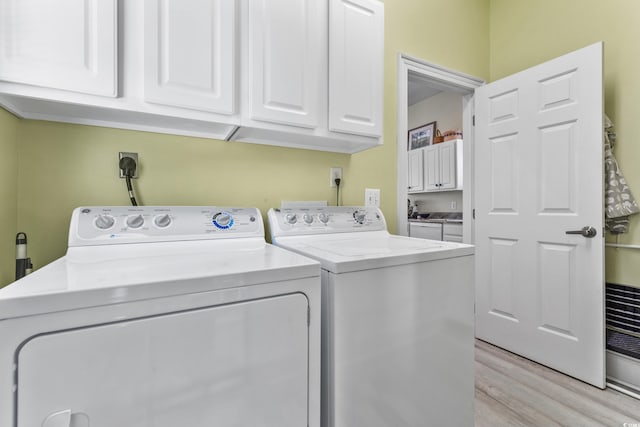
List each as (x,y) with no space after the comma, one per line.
(323,217)
(308,218)
(135,221)
(162,221)
(359,216)
(223,220)
(104,222)
(291,218)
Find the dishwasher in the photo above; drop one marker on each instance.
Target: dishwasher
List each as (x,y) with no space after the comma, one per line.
(426,230)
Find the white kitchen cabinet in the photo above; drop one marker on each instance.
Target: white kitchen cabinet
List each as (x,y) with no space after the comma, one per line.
(416,171)
(241,70)
(190,54)
(435,168)
(452,232)
(65,44)
(286,53)
(356,63)
(443,166)
(426,230)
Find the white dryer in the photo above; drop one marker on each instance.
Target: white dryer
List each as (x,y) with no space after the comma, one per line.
(163,317)
(397,319)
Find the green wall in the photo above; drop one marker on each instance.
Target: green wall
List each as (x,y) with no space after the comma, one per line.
(63,166)
(525,33)
(450,33)
(8,189)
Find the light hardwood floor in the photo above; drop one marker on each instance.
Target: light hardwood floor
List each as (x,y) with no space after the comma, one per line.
(512,391)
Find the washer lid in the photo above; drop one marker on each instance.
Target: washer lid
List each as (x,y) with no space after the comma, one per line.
(110,274)
(344,252)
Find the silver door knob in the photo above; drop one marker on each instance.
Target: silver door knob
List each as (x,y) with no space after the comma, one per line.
(586,231)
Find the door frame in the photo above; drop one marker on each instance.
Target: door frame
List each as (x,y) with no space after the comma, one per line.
(450,80)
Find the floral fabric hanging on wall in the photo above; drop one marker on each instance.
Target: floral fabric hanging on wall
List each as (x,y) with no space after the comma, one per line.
(619,202)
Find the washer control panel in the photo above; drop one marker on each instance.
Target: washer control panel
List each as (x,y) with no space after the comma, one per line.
(99,225)
(325,220)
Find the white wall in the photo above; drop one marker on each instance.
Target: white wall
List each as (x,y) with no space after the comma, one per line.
(437,202)
(445,108)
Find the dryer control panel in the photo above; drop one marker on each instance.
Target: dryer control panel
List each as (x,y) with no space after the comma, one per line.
(325,220)
(101,225)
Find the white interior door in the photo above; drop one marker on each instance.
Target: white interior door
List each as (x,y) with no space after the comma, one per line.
(538,160)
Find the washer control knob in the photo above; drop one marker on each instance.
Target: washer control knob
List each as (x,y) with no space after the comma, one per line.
(135,221)
(359,216)
(291,218)
(223,220)
(162,221)
(308,218)
(323,217)
(104,222)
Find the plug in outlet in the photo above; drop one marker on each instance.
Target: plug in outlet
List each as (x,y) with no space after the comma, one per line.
(335,173)
(134,156)
(454,205)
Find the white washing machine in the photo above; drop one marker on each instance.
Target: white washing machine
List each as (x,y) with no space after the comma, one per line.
(397,319)
(163,317)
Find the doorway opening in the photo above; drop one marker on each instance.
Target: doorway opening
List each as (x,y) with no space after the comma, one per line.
(420,86)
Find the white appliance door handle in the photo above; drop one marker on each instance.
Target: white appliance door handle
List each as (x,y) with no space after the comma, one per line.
(58,419)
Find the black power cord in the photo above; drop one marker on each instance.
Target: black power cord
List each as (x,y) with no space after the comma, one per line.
(128,166)
(337,181)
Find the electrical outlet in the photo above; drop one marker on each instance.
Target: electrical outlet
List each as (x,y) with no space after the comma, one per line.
(333,174)
(134,156)
(454,205)
(372,197)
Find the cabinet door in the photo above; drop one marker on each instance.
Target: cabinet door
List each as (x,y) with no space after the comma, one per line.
(190,54)
(431,168)
(62,44)
(452,232)
(415,171)
(286,56)
(356,63)
(447,163)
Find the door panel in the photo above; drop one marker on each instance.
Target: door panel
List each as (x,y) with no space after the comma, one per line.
(447,166)
(66,44)
(287,52)
(538,159)
(415,171)
(356,64)
(431,168)
(190,54)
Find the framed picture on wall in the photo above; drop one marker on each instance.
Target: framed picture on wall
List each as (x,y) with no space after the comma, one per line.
(421,136)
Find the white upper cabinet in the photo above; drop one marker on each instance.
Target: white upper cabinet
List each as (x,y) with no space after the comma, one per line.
(190,54)
(435,168)
(415,178)
(356,63)
(286,51)
(443,166)
(293,73)
(448,166)
(62,44)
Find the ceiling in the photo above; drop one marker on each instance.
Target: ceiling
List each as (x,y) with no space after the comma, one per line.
(422,86)
(419,90)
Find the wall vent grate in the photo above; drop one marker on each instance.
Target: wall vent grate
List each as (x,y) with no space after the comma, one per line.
(623,319)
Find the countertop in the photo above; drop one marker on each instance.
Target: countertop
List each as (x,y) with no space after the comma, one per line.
(437,217)
(439,221)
